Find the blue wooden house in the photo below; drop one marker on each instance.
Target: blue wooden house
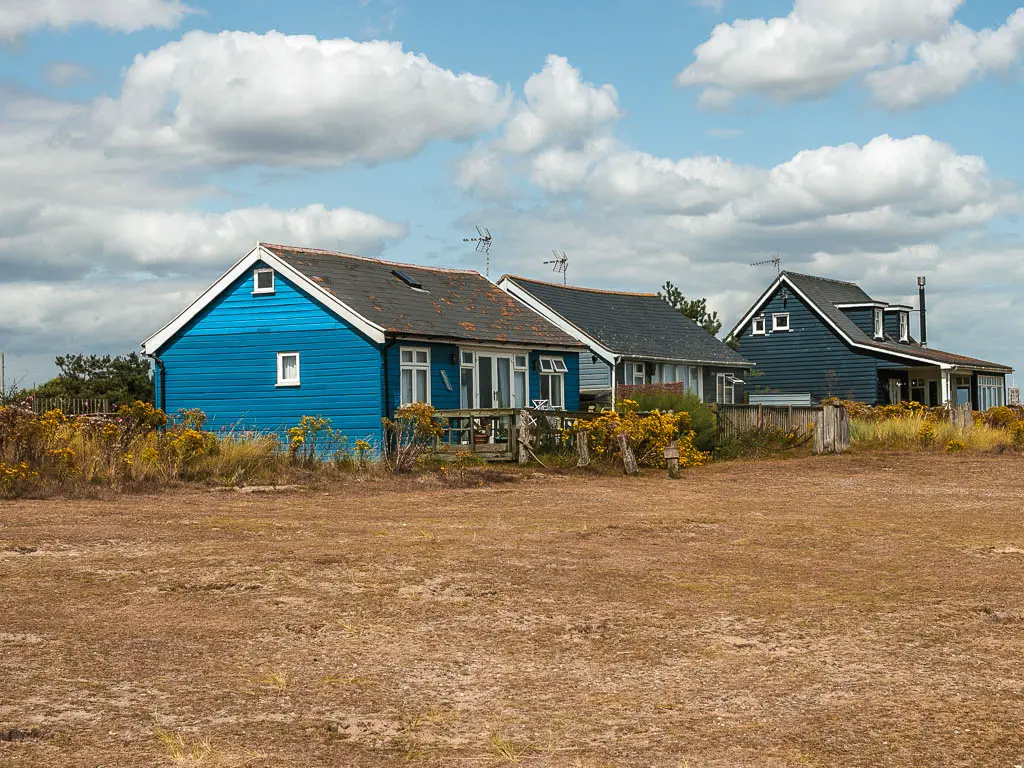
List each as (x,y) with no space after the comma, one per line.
(812,335)
(290,331)
(635,340)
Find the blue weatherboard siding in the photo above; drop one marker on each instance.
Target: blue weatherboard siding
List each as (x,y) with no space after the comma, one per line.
(594,375)
(811,357)
(441,356)
(863,318)
(224,362)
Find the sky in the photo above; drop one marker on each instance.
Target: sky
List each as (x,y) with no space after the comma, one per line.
(146,145)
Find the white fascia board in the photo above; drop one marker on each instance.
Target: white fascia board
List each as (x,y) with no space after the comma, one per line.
(842,334)
(516,291)
(757,305)
(897,308)
(375,332)
(862,305)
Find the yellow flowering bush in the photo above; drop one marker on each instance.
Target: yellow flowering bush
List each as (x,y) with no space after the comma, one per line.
(926,433)
(955,446)
(414,430)
(16,479)
(1017,435)
(648,435)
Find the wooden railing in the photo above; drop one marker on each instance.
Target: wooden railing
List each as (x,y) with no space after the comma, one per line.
(496,434)
(72,406)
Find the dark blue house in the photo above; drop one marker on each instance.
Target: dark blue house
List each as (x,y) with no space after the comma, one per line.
(288,332)
(812,335)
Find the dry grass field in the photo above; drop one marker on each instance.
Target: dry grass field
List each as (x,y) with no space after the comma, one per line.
(857,611)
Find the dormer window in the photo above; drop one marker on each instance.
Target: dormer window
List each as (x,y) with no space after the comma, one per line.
(757,328)
(879,327)
(904,326)
(263,281)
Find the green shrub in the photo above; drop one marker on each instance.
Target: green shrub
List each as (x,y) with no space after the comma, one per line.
(702,418)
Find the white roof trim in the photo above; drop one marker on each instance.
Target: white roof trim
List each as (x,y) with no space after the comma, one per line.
(783,279)
(862,305)
(259,253)
(517,291)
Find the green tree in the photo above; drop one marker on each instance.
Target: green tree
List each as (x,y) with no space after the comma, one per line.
(695,309)
(121,379)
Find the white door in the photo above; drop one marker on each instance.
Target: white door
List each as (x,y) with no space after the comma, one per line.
(494,380)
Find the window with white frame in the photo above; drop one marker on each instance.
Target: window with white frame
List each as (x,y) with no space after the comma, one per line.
(414,374)
(552,381)
(263,280)
(757,327)
(991,392)
(467,379)
(287,369)
(904,326)
(666,374)
(725,390)
(780,321)
(879,325)
(520,377)
(636,373)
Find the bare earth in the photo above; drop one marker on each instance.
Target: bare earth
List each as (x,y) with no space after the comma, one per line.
(857,611)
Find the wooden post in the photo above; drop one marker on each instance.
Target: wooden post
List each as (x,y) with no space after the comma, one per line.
(523,437)
(582,448)
(628,459)
(819,430)
(672,459)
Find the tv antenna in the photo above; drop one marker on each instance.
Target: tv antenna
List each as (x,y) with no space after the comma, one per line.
(560,262)
(776,260)
(483,242)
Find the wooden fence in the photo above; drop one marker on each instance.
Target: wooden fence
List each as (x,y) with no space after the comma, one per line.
(505,434)
(830,424)
(72,406)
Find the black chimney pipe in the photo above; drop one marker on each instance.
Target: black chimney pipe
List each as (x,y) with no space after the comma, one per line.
(924,319)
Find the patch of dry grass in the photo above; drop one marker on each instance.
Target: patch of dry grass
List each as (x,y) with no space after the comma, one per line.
(860,611)
(906,433)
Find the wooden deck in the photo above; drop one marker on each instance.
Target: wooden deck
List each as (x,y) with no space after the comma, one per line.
(494,434)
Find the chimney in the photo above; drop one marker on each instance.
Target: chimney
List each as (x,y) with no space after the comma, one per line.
(924,318)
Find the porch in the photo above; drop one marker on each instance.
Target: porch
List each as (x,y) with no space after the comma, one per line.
(934,386)
(496,434)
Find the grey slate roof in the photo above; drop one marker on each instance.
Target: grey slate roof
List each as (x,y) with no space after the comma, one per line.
(633,325)
(455,304)
(825,293)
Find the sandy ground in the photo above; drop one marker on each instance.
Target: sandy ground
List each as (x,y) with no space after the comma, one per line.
(855,611)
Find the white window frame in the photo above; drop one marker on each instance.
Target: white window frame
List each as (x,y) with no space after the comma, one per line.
(635,370)
(281,380)
(904,326)
(725,389)
(879,323)
(754,323)
(555,368)
(776,316)
(991,392)
(413,366)
(256,290)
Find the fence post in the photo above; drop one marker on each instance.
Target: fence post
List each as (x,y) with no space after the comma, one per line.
(523,437)
(582,448)
(672,459)
(628,459)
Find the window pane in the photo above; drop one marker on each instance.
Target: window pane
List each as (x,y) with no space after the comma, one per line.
(466,389)
(504,383)
(421,355)
(560,365)
(545,388)
(264,280)
(406,387)
(668,374)
(421,386)
(556,391)
(289,367)
(521,401)
(406,355)
(520,361)
(467,358)
(545,364)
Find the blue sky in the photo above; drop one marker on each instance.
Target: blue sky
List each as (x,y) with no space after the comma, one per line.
(147,144)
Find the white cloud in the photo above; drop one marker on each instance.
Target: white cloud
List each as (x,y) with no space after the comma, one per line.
(483,171)
(61,74)
(243,98)
(20,16)
(823,44)
(943,67)
(560,110)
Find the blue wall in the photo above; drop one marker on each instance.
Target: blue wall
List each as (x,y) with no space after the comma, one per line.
(224,362)
(802,359)
(441,357)
(863,318)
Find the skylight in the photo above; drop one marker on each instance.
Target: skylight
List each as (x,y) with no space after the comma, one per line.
(408,279)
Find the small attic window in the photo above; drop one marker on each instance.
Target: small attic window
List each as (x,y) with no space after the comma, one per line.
(263,281)
(879,327)
(904,326)
(408,279)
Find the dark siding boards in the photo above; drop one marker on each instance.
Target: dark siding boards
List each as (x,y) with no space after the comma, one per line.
(572,377)
(863,318)
(594,375)
(224,362)
(811,357)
